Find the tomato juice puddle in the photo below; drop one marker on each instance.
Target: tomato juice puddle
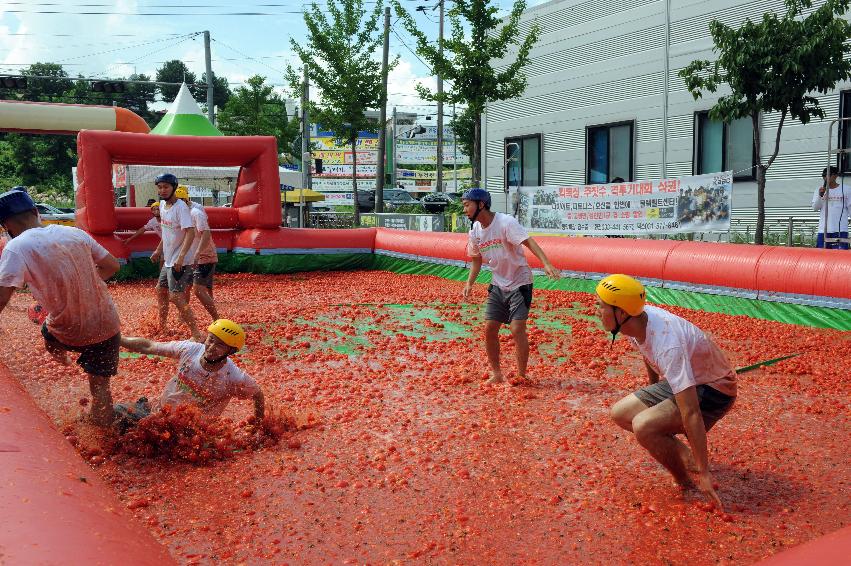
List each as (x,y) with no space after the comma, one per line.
(401,455)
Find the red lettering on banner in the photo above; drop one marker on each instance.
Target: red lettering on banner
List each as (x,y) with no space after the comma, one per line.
(669,186)
(638,214)
(568,192)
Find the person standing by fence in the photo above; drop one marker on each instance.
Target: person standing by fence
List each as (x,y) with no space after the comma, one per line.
(834,200)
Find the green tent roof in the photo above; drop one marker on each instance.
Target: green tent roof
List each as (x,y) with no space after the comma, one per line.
(185,118)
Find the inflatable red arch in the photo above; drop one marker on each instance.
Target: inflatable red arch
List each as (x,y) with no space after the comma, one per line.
(55,514)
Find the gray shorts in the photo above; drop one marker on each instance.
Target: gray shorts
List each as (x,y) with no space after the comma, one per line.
(175,282)
(713,403)
(202,275)
(505,306)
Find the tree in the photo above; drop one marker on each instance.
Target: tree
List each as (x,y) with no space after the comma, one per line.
(466,61)
(465,131)
(175,71)
(255,110)
(774,66)
(45,89)
(340,61)
(139,96)
(221,90)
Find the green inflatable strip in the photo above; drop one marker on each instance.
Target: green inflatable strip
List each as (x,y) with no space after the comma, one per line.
(819,317)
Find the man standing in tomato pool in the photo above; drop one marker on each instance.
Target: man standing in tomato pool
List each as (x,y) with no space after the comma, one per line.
(499,239)
(178,232)
(65,269)
(698,384)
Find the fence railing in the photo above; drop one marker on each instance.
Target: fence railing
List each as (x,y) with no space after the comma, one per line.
(789,231)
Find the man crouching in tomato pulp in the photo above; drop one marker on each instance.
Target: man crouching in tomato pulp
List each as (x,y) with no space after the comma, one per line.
(698,384)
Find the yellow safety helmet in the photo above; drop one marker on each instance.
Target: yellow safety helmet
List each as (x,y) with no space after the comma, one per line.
(228,332)
(624,292)
(155,204)
(181,192)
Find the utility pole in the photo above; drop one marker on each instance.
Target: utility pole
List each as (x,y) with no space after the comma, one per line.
(382,118)
(393,135)
(305,148)
(454,149)
(208,63)
(440,105)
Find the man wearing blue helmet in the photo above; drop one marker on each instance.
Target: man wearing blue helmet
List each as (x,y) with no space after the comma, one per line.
(499,239)
(175,250)
(65,270)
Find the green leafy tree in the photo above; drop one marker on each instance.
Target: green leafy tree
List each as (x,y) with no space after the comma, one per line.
(221,90)
(138,98)
(41,89)
(476,41)
(774,65)
(341,63)
(175,71)
(464,125)
(255,110)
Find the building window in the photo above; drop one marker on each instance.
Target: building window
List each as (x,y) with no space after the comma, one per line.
(721,146)
(609,152)
(523,161)
(844,159)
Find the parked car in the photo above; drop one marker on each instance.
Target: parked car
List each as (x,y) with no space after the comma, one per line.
(435,203)
(393,199)
(52,215)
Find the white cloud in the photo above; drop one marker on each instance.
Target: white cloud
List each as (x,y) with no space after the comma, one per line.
(401,86)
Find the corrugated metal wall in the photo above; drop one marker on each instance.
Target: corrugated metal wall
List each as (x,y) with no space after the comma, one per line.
(599,62)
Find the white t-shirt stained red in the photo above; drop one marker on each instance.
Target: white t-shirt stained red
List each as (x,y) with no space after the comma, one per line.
(58,265)
(210,391)
(202,224)
(174,219)
(500,245)
(153,225)
(682,354)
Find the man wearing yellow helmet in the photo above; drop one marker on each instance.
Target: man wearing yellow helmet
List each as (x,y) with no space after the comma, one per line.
(698,384)
(205,376)
(178,231)
(152,225)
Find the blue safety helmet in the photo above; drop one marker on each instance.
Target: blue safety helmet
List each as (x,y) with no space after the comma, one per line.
(478,194)
(14,202)
(21,188)
(167,178)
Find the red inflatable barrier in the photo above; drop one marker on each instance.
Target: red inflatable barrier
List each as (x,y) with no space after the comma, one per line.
(297,239)
(642,258)
(55,508)
(832,549)
(428,244)
(258,198)
(132,218)
(722,265)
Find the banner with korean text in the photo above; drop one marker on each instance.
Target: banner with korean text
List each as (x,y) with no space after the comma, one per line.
(699,203)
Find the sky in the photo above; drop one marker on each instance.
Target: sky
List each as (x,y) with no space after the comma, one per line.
(114,38)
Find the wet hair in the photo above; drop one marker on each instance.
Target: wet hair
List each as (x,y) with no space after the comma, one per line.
(151,201)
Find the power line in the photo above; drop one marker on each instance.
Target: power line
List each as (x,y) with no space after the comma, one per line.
(238,52)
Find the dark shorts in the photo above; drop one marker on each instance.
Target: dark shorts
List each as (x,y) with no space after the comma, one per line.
(713,403)
(202,274)
(174,281)
(505,306)
(832,245)
(99,359)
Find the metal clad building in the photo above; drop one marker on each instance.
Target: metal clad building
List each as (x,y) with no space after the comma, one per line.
(596,106)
